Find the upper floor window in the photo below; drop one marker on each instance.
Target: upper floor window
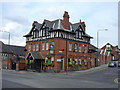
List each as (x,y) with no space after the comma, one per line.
(47,46)
(75,47)
(85,49)
(53,43)
(43,46)
(79,48)
(36,47)
(70,47)
(33,47)
(29,47)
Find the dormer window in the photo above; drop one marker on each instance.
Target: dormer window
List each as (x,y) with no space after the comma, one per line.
(43,32)
(77,34)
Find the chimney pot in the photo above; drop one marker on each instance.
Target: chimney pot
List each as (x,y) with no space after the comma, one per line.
(34,22)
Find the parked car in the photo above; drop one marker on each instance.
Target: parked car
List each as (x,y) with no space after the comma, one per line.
(118,63)
(112,64)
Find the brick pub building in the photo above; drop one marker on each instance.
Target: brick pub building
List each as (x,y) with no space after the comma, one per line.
(58,45)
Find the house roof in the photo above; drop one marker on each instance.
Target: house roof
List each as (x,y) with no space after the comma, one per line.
(93,48)
(58,24)
(17,50)
(105,46)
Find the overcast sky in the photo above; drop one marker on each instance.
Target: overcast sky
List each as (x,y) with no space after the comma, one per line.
(17,18)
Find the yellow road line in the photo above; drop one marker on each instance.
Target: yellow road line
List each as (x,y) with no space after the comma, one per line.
(116,80)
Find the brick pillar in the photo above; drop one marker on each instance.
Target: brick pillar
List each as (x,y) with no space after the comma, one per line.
(17,65)
(10,64)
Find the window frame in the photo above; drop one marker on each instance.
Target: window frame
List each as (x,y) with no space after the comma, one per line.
(70,46)
(37,47)
(47,46)
(76,47)
(80,48)
(33,47)
(43,46)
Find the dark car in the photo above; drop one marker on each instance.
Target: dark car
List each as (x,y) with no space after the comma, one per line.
(118,63)
(112,64)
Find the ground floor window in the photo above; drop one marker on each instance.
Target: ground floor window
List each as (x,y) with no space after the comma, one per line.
(46,59)
(69,59)
(79,61)
(52,59)
(75,60)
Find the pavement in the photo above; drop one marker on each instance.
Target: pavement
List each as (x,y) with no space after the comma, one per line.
(87,71)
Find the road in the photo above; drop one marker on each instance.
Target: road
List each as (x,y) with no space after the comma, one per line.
(99,79)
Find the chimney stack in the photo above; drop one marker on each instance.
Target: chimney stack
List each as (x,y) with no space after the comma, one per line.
(83,24)
(66,24)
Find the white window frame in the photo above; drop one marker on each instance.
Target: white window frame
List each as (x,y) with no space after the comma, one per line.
(36,47)
(47,45)
(80,61)
(76,60)
(85,49)
(76,47)
(43,46)
(52,59)
(70,46)
(80,47)
(29,47)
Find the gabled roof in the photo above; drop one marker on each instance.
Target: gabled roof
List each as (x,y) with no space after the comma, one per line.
(105,46)
(17,50)
(93,48)
(35,55)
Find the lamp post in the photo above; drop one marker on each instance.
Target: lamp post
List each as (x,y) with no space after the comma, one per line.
(98,42)
(8,44)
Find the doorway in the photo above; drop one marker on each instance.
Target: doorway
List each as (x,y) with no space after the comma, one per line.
(61,63)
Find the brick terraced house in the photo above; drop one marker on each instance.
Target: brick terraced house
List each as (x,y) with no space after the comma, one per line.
(109,53)
(58,45)
(12,57)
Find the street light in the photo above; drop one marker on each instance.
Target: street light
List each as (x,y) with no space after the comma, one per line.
(98,41)
(8,44)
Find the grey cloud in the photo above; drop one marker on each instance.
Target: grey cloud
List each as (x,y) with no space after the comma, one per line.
(17,19)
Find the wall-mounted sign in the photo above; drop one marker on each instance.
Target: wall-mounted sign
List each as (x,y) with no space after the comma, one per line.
(58,60)
(60,51)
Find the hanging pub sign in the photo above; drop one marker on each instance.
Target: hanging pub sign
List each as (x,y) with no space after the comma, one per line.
(51,49)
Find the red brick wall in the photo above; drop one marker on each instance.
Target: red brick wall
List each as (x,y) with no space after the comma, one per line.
(60,45)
